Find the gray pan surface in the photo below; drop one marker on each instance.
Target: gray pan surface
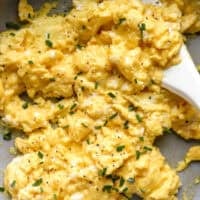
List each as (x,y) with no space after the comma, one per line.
(172,146)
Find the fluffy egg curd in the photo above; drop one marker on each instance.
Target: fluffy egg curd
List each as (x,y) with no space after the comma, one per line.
(85,90)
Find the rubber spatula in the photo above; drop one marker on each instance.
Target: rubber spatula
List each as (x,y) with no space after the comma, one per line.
(183,79)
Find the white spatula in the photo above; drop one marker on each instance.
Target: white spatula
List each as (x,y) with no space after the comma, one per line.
(183,79)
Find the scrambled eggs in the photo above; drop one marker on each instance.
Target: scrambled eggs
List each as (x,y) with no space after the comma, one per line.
(85,90)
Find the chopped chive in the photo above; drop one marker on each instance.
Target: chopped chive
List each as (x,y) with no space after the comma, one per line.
(113,116)
(131,108)
(30,62)
(88,141)
(82,88)
(130,180)
(105,123)
(115,189)
(136,81)
(147,148)
(142,190)
(73,106)
(125,190)
(168,130)
(48,35)
(78,46)
(84,125)
(102,172)
(142,28)
(113,177)
(7,136)
(49,43)
(2,189)
(98,127)
(121,20)
(96,85)
(54,197)
(13,184)
(137,154)
(79,73)
(107,188)
(37,182)
(12,34)
(120,148)
(139,119)
(25,105)
(41,190)
(52,79)
(60,106)
(13,25)
(111,95)
(141,139)
(126,124)
(121,182)
(40,155)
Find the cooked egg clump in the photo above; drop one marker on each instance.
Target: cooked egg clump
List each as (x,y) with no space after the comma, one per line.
(85,91)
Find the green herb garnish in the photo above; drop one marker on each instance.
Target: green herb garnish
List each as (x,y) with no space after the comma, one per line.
(25,105)
(13,184)
(137,154)
(136,81)
(2,189)
(168,130)
(107,188)
(88,141)
(49,43)
(54,197)
(141,139)
(96,85)
(7,136)
(139,119)
(84,125)
(121,182)
(52,79)
(37,182)
(142,28)
(73,106)
(126,124)
(12,34)
(30,62)
(131,108)
(111,95)
(13,25)
(147,148)
(125,190)
(98,127)
(60,106)
(113,116)
(102,172)
(78,46)
(113,177)
(105,123)
(121,20)
(40,155)
(120,148)
(79,73)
